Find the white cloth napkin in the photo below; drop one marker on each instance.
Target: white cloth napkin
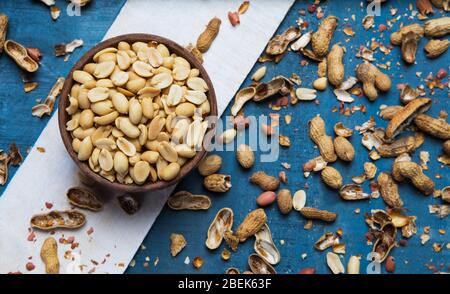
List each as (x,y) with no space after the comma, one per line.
(45,177)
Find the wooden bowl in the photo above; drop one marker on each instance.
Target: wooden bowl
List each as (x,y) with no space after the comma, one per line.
(64,102)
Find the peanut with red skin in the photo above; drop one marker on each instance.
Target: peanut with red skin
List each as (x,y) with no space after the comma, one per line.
(307,271)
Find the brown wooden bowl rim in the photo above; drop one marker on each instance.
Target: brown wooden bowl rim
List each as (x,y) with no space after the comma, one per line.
(64,102)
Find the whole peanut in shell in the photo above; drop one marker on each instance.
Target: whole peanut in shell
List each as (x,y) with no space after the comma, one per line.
(49,255)
(336,70)
(344,149)
(331,177)
(321,39)
(389,190)
(373,80)
(206,38)
(436,127)
(318,134)
(284,201)
(265,181)
(414,173)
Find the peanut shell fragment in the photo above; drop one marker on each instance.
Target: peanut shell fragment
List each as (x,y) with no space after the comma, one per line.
(259,266)
(177,243)
(353,192)
(83,198)
(186,200)
(222,223)
(406,115)
(265,247)
(70,219)
(20,56)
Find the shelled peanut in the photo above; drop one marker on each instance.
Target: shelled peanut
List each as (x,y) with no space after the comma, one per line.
(136,113)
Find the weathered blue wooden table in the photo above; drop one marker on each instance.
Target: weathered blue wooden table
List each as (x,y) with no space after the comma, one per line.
(31,25)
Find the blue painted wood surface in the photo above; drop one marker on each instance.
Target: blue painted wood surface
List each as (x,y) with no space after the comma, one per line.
(241,197)
(31,25)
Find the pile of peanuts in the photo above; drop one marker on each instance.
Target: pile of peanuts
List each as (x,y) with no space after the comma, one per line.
(137,113)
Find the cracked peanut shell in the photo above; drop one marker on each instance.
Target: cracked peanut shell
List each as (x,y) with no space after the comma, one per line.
(222,223)
(397,147)
(217,183)
(83,198)
(177,243)
(70,219)
(186,200)
(252,223)
(406,115)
